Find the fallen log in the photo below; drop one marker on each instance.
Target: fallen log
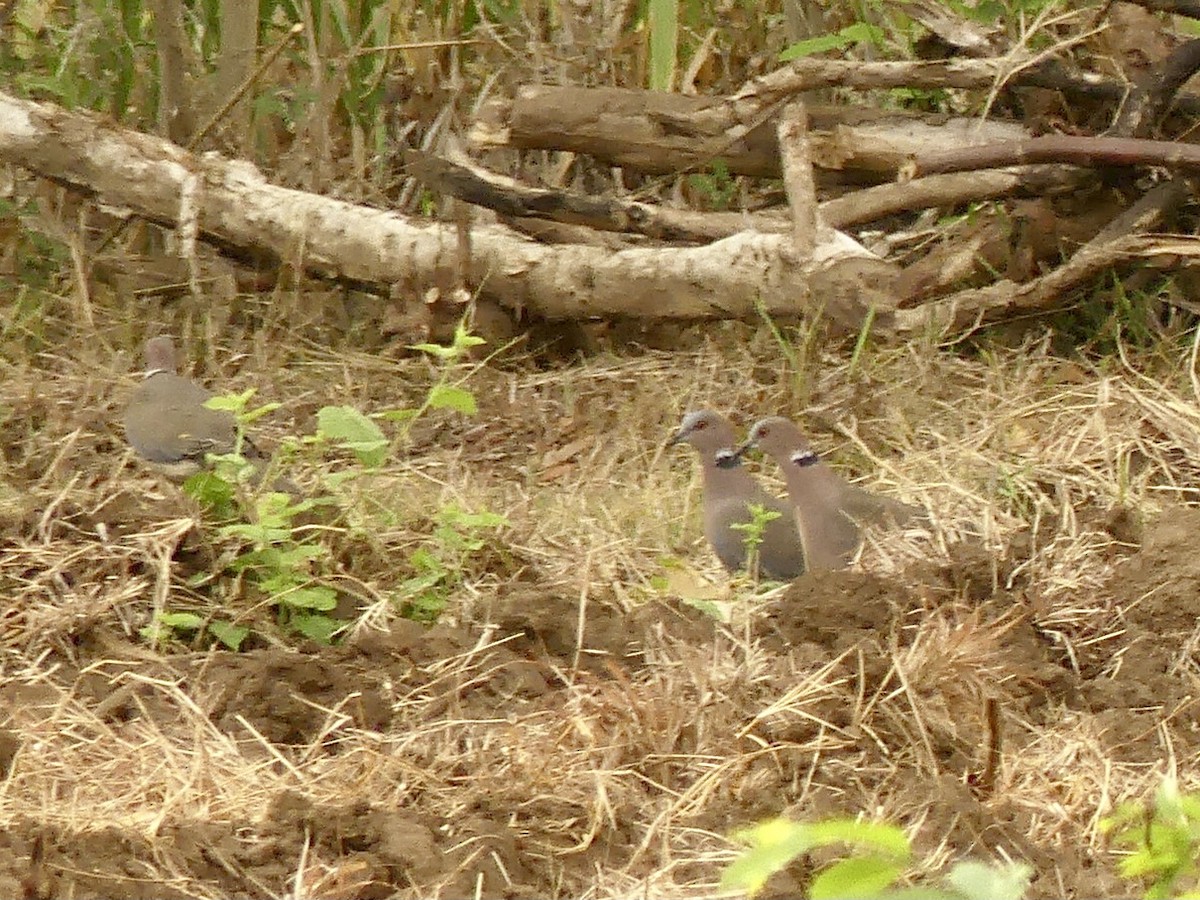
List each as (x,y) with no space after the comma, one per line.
(659,133)
(231,205)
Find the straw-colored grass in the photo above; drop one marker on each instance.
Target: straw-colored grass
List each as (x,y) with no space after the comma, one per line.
(571,728)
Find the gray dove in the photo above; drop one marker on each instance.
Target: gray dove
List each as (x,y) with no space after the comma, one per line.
(828,509)
(168,424)
(728,491)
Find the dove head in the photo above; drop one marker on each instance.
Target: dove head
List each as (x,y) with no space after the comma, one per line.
(160,354)
(780,438)
(707,431)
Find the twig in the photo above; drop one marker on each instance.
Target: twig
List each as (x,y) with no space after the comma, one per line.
(1123,238)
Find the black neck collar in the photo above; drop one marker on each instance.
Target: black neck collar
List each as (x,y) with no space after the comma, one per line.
(805,458)
(726,459)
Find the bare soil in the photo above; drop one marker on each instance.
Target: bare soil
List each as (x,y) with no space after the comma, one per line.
(569,728)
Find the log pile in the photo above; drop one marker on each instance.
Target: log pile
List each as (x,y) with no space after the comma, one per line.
(1087,202)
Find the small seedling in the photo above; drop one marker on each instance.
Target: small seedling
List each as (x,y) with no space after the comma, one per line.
(760,517)
(1165,839)
(168,626)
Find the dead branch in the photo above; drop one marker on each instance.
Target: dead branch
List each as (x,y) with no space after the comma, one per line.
(812,73)
(654,132)
(1154,92)
(1062,148)
(557,216)
(235,207)
(507,197)
(1123,240)
(952,190)
(796,162)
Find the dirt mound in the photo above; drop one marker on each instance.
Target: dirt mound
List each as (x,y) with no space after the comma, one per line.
(1143,670)
(883,681)
(573,728)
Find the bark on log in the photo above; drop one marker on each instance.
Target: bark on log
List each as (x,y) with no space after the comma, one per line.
(655,132)
(233,205)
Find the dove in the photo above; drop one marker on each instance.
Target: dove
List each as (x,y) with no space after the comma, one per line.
(169,426)
(728,492)
(828,509)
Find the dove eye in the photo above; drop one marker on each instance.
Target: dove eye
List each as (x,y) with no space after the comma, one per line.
(700,426)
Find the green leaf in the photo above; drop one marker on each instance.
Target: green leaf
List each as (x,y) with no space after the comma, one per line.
(858,33)
(316,627)
(399,415)
(233,403)
(212,492)
(463,339)
(980,881)
(182,621)
(436,350)
(354,432)
(258,412)
(316,597)
(812,46)
(257,533)
(424,607)
(165,624)
(445,396)
(878,836)
(664,43)
(228,634)
(859,876)
(295,557)
(705,606)
(773,845)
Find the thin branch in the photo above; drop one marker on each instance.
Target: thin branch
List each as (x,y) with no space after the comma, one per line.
(1061,148)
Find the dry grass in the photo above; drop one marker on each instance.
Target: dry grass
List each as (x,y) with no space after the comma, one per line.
(616,778)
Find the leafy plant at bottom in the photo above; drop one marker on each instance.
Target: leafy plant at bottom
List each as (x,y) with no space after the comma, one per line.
(167,626)
(279,563)
(284,567)
(883,854)
(1165,840)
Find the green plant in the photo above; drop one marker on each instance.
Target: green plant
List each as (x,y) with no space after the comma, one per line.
(286,567)
(883,854)
(275,557)
(753,530)
(447,391)
(167,626)
(439,563)
(858,33)
(717,186)
(1164,837)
